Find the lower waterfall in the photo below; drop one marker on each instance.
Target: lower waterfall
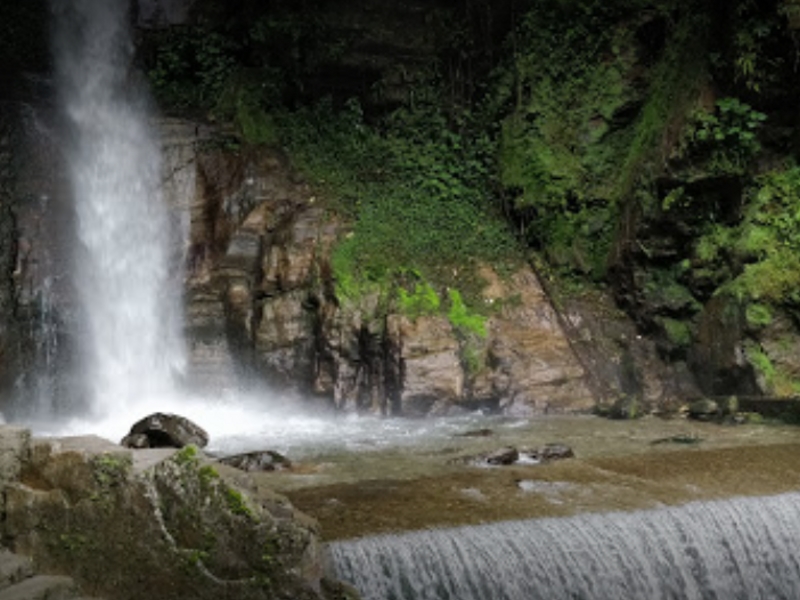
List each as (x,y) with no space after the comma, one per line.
(739,549)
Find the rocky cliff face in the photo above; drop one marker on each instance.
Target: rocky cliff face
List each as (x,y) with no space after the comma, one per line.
(262,304)
(261,301)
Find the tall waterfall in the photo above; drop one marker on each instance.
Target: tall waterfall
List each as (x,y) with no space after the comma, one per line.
(126,277)
(741,549)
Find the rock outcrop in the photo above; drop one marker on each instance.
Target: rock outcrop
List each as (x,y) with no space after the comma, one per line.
(162,430)
(159,523)
(262,297)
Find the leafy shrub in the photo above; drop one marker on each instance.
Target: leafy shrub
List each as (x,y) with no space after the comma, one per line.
(758,315)
(584,123)
(760,254)
(462,318)
(725,138)
(422,301)
(775,378)
(418,192)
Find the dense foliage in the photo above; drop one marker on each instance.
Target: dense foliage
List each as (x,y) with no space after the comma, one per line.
(593,87)
(418,192)
(644,144)
(417,179)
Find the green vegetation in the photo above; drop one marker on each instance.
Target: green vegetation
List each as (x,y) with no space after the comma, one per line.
(191,67)
(777,380)
(724,140)
(237,503)
(678,332)
(208,475)
(758,315)
(188,455)
(585,128)
(109,470)
(422,301)
(637,143)
(761,251)
(417,190)
(461,317)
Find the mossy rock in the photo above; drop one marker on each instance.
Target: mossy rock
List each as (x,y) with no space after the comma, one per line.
(624,407)
(704,409)
(182,528)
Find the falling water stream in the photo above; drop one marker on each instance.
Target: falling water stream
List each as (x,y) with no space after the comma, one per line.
(127,259)
(126,274)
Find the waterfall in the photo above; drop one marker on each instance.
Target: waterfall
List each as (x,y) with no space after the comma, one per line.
(127,277)
(740,549)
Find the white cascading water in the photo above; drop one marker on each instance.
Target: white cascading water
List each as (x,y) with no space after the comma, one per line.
(740,549)
(127,280)
(127,269)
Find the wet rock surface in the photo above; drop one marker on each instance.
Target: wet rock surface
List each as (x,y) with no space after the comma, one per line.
(262,300)
(509,455)
(263,460)
(165,523)
(163,430)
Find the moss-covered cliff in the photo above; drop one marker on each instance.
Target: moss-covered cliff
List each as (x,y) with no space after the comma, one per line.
(642,146)
(637,149)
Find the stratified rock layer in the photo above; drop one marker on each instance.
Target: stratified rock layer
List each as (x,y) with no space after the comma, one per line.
(262,297)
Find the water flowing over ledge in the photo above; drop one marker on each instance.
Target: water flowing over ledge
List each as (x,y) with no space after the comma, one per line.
(740,549)
(126,271)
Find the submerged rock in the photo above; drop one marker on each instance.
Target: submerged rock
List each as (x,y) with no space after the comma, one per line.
(681,438)
(502,456)
(555,452)
(162,430)
(485,432)
(703,409)
(508,455)
(263,460)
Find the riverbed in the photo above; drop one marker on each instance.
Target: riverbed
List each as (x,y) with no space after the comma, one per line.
(398,475)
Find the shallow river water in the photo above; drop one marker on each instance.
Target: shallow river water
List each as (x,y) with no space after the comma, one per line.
(364,476)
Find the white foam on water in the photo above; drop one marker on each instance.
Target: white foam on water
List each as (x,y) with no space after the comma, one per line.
(738,549)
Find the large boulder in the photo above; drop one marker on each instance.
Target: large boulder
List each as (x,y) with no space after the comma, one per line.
(163,430)
(432,374)
(160,523)
(530,365)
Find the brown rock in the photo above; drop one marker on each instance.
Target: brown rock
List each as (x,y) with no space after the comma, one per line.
(432,376)
(536,370)
(164,430)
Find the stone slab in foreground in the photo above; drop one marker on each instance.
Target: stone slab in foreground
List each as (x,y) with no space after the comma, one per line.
(164,524)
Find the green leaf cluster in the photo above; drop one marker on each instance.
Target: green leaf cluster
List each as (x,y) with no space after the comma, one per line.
(724,140)
(190,67)
(777,380)
(462,318)
(423,300)
(560,140)
(760,252)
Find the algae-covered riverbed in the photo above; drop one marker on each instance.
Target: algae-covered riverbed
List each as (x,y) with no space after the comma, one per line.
(367,487)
